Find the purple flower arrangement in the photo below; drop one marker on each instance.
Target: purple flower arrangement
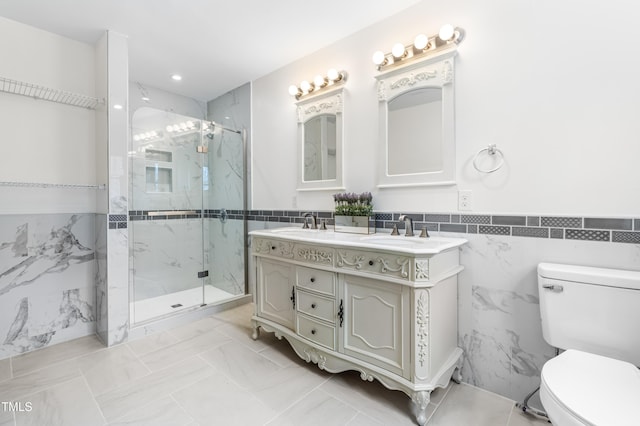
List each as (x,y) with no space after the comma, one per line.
(352,204)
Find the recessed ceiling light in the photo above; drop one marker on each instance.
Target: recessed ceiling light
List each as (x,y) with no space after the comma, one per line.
(176,77)
(117,106)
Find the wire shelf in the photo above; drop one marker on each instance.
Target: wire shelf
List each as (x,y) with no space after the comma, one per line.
(53,95)
(51,185)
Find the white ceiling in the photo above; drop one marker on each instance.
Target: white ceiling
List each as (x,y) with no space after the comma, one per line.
(215,45)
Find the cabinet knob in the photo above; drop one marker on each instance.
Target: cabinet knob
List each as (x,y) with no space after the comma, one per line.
(371,263)
(313,280)
(313,331)
(273,247)
(313,305)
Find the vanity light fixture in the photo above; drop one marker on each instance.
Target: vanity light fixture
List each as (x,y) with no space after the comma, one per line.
(422,45)
(319,83)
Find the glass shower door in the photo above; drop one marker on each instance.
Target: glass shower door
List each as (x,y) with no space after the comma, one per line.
(166,198)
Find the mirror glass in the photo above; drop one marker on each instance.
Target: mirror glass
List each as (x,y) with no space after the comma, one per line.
(320,142)
(320,148)
(414,132)
(416,123)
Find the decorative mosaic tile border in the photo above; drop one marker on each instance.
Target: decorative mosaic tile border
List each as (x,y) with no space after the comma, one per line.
(199,214)
(117,221)
(557,227)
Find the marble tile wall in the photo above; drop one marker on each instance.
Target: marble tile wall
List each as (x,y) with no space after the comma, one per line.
(47,280)
(499,311)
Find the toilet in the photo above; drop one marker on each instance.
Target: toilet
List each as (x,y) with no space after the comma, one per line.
(593,314)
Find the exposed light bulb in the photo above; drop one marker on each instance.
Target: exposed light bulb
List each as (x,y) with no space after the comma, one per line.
(319,81)
(421,42)
(446,32)
(398,50)
(169,128)
(378,58)
(333,75)
(176,128)
(305,86)
(293,90)
(136,138)
(176,77)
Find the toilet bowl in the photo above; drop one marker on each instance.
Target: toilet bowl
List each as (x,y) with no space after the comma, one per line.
(583,389)
(594,314)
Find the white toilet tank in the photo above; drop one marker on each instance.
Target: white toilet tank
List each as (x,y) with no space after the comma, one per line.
(591,309)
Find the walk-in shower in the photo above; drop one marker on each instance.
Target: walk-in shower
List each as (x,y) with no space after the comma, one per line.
(187,225)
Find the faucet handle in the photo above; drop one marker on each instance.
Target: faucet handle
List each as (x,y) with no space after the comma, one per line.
(424,233)
(394,231)
(305,224)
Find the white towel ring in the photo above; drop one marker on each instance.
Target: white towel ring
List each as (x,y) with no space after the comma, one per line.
(491,150)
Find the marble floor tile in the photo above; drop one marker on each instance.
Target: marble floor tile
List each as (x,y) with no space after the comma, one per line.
(216,400)
(317,408)
(126,399)
(31,361)
(176,352)
(6,418)
(363,420)
(242,334)
(195,328)
(69,403)
(518,418)
(467,405)
(109,368)
(286,386)
(242,365)
(163,412)
(387,406)
(152,342)
(5,369)
(39,380)
(282,354)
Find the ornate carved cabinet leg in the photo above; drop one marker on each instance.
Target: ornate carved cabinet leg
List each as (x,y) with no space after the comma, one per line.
(420,402)
(457,374)
(256,330)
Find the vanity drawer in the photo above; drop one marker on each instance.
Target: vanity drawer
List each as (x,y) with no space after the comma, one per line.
(317,306)
(319,281)
(382,264)
(322,334)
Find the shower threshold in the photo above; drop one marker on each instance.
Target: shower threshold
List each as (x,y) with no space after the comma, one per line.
(159,306)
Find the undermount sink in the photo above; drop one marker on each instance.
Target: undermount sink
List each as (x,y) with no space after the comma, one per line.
(398,243)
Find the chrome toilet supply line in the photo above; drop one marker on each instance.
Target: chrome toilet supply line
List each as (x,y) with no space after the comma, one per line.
(491,150)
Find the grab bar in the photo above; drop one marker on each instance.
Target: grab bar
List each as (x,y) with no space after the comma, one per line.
(172,213)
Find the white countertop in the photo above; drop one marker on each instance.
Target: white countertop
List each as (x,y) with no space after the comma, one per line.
(395,243)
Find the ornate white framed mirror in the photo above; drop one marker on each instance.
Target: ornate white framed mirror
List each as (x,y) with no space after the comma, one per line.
(320,142)
(416,123)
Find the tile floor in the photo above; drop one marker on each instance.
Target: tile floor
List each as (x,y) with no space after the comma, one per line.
(210,372)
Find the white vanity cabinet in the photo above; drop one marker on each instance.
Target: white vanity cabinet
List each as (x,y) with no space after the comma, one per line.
(354,303)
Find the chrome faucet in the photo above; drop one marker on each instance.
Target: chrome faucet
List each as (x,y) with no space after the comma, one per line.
(408,225)
(314,222)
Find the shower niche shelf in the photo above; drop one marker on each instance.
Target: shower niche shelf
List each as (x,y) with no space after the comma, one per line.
(47,94)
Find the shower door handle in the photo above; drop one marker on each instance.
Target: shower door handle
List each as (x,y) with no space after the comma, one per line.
(172,213)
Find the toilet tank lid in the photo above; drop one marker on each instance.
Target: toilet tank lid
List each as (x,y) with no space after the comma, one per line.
(591,275)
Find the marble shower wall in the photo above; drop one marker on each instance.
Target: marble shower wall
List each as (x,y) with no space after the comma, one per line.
(499,314)
(47,280)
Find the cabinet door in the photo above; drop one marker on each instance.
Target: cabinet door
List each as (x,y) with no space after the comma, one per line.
(376,323)
(276,292)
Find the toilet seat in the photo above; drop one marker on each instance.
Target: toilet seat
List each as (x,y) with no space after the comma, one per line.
(579,388)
